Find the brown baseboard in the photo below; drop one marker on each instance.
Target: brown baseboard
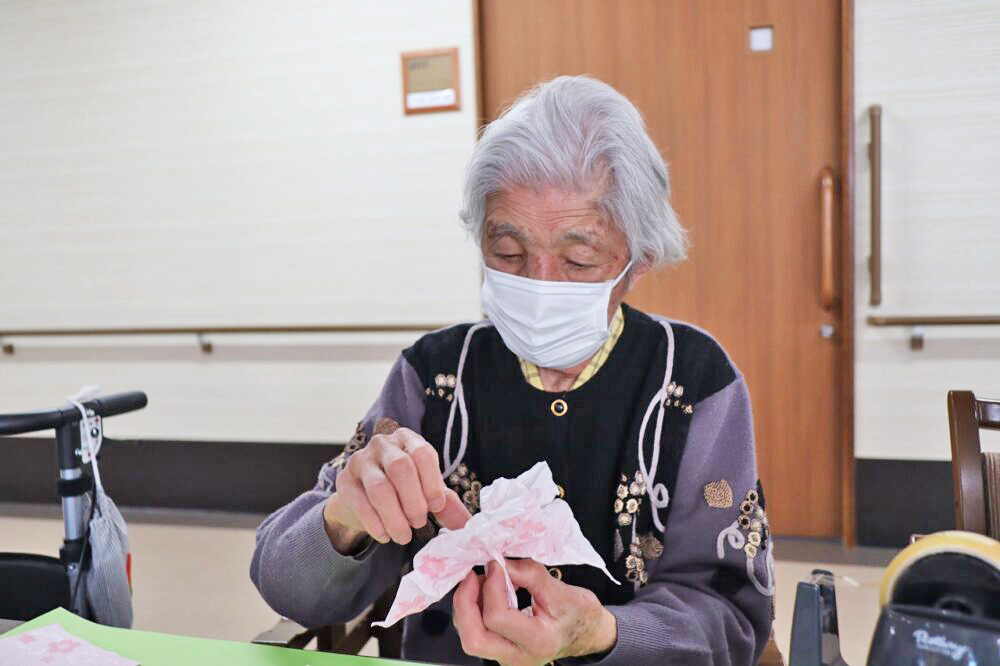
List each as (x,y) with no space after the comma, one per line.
(243,477)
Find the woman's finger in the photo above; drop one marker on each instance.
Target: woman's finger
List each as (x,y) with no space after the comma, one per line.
(498,616)
(425,458)
(528,574)
(454,515)
(382,496)
(354,500)
(477,641)
(399,468)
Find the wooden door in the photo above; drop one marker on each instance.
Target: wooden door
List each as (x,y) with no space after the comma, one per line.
(747,135)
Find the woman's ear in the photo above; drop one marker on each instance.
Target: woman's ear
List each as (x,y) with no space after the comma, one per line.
(639,269)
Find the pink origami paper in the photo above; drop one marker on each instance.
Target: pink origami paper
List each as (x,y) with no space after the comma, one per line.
(520,517)
(52,645)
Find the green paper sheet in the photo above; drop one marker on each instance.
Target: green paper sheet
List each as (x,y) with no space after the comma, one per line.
(151,649)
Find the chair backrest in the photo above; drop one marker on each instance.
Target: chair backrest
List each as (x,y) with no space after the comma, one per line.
(975,482)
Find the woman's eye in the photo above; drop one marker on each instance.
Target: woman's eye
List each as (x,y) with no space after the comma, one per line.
(576,264)
(508,257)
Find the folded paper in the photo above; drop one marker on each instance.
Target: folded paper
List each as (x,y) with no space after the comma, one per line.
(52,645)
(518,518)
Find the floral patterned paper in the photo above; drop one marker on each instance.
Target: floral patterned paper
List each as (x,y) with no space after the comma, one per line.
(52,645)
(520,518)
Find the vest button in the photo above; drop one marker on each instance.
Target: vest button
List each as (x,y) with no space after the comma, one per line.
(559,407)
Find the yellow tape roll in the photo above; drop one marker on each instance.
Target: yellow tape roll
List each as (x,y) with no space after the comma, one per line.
(953,541)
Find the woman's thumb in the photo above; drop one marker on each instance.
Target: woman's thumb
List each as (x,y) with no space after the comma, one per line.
(454,515)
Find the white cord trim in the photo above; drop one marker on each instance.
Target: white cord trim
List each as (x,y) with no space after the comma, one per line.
(737,540)
(459,402)
(768,590)
(733,535)
(91,445)
(659,496)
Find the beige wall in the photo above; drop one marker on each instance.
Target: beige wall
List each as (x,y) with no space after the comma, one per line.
(226,163)
(934,66)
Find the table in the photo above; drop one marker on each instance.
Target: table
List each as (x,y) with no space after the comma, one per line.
(152,649)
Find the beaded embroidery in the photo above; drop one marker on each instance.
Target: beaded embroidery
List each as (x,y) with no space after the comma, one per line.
(674,394)
(646,547)
(357,441)
(749,533)
(719,494)
(385,426)
(629,496)
(444,387)
(464,482)
(628,499)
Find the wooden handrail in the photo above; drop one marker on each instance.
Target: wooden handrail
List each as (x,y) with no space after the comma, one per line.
(827,280)
(200,331)
(935,320)
(875,156)
(917,323)
(195,330)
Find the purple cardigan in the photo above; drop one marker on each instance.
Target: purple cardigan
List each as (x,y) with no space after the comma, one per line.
(693,610)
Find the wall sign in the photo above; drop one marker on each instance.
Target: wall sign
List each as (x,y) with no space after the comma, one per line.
(430,81)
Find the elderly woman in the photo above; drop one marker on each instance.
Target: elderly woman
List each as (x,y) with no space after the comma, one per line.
(645,423)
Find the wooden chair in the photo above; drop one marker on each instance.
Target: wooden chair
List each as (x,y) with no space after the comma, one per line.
(347,638)
(772,655)
(976,474)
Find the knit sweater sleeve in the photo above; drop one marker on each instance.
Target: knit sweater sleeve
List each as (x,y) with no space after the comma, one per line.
(295,566)
(708,601)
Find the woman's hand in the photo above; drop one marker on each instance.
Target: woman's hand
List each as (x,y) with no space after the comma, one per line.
(387,489)
(566,621)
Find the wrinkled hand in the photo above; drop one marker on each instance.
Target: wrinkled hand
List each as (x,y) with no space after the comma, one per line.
(386,491)
(566,621)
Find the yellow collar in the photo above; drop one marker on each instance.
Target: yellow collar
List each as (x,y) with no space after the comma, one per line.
(530,370)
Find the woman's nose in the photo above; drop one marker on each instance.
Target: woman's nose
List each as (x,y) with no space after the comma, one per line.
(543,268)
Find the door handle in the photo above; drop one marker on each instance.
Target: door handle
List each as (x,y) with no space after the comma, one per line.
(827,282)
(875,157)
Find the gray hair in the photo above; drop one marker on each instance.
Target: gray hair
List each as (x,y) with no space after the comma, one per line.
(572,132)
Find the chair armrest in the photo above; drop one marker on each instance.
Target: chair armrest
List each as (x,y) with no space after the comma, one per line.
(347,638)
(772,655)
(7,625)
(344,638)
(286,634)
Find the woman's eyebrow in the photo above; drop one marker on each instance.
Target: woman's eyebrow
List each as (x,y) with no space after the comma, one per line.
(499,229)
(577,236)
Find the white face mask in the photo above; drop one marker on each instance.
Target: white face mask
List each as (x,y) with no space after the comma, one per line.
(551,324)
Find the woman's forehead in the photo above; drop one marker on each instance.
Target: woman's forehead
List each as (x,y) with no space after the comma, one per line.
(528,215)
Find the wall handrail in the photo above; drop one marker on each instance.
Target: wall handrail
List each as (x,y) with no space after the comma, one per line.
(201,331)
(917,323)
(934,320)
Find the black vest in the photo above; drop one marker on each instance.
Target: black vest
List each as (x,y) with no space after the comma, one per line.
(592,447)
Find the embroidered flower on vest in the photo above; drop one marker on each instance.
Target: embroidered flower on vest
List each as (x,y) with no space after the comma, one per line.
(750,533)
(673,400)
(628,500)
(464,482)
(444,387)
(357,442)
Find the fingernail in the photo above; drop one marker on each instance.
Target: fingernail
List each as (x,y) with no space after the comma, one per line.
(438,504)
